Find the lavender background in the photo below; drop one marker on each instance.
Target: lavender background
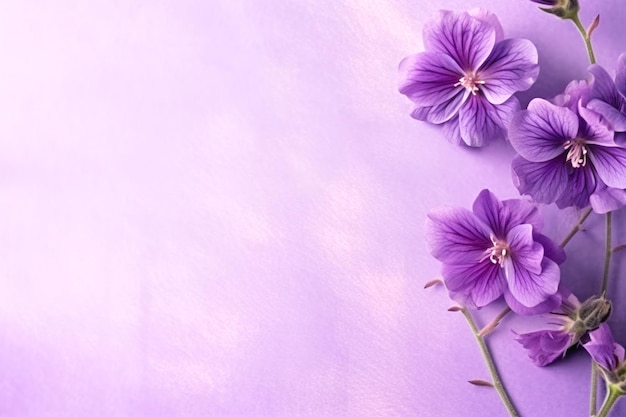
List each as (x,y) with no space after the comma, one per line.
(216,209)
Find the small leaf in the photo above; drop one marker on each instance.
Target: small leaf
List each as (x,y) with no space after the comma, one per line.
(433,282)
(619,247)
(480,383)
(594,24)
(455,308)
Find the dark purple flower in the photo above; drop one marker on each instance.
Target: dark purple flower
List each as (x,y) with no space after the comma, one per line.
(567,154)
(573,319)
(496,249)
(603,349)
(545,346)
(466,78)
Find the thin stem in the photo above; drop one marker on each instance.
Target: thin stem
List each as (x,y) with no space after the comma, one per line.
(607,254)
(593,397)
(586,38)
(576,228)
(611,396)
(491,365)
(494,323)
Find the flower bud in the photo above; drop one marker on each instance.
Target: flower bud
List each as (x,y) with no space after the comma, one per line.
(565,9)
(588,316)
(594,311)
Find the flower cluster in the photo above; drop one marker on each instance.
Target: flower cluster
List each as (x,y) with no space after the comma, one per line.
(570,151)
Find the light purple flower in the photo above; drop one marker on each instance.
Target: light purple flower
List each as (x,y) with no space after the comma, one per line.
(603,349)
(567,154)
(467,77)
(496,249)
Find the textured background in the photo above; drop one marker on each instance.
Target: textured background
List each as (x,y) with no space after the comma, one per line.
(216,209)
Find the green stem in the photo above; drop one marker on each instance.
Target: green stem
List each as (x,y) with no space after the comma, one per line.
(586,38)
(576,228)
(593,398)
(611,396)
(490,364)
(607,255)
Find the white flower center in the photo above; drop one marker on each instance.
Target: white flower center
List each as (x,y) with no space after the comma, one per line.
(470,82)
(576,152)
(498,252)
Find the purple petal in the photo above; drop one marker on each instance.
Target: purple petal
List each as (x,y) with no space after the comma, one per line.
(603,349)
(538,134)
(481,282)
(620,76)
(446,110)
(511,67)
(545,181)
(615,118)
(550,249)
(610,163)
(533,289)
(575,92)
(603,88)
(503,216)
(551,304)
(486,16)
(545,346)
(517,211)
(455,235)
(531,277)
(525,252)
(606,199)
(488,208)
(594,130)
(465,39)
(452,132)
(581,184)
(428,79)
(481,121)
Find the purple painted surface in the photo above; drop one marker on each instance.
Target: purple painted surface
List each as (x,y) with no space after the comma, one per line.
(217,208)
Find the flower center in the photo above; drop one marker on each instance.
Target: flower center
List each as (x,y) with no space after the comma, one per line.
(469,82)
(576,152)
(498,252)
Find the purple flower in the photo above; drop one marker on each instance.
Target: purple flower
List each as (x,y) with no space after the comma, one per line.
(545,346)
(496,249)
(573,319)
(466,78)
(567,154)
(603,349)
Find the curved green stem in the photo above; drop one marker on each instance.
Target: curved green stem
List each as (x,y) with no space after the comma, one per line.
(495,376)
(576,228)
(611,396)
(586,38)
(607,255)
(593,392)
